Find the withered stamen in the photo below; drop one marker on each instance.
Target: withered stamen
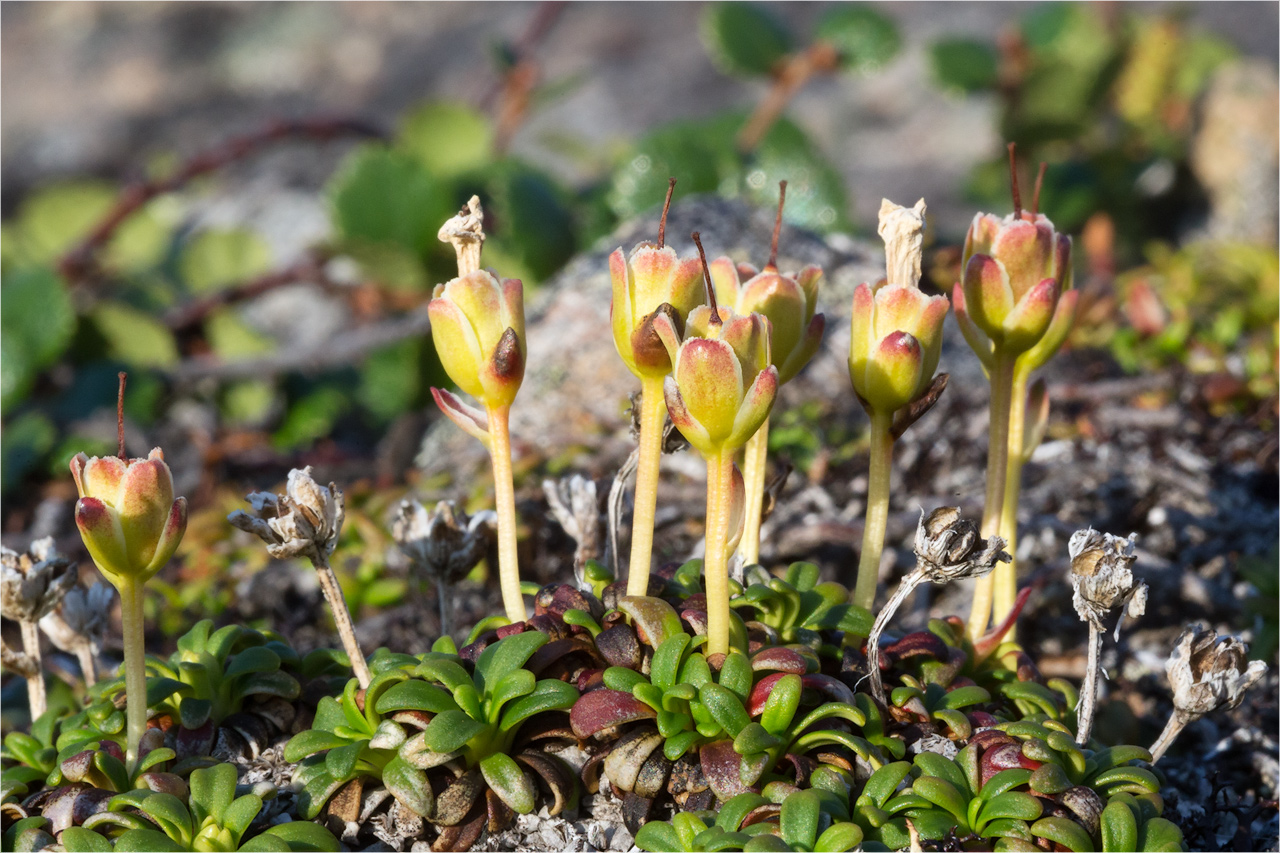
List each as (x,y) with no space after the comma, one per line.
(1013,180)
(1035,199)
(120,415)
(777,226)
(666,206)
(706,277)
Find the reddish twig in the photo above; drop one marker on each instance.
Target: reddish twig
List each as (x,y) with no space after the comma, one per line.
(310,268)
(80,262)
(821,57)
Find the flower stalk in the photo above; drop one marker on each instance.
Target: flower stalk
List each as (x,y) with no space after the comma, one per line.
(131,524)
(650,285)
(894,345)
(477,324)
(1015,306)
(716,563)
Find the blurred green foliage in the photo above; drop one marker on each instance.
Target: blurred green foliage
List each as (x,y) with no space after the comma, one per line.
(1210,306)
(1102,94)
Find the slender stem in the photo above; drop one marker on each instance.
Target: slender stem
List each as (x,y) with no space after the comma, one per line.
(504,498)
(1172,729)
(88,664)
(1006,574)
(135,666)
(757,453)
(716,564)
(1089,695)
(908,585)
(37,699)
(442,601)
(342,619)
(997,470)
(878,480)
(653,413)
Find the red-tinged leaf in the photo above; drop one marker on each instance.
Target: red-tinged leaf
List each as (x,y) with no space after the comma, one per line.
(603,709)
(470,419)
(834,688)
(781,659)
(760,693)
(721,765)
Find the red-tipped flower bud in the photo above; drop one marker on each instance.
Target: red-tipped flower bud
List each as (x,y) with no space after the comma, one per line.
(477,323)
(722,386)
(127,514)
(648,282)
(1016,273)
(788,301)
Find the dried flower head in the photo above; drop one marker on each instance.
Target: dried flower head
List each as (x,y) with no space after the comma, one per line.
(1101,576)
(35,582)
(444,544)
(574,505)
(1208,671)
(303,522)
(81,620)
(950,547)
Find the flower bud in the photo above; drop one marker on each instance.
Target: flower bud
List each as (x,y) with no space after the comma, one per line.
(950,547)
(649,282)
(477,323)
(444,544)
(1015,272)
(303,522)
(35,582)
(1208,672)
(127,515)
(723,386)
(896,332)
(787,301)
(1101,576)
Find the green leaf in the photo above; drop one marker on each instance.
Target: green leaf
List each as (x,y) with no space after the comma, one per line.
(883,783)
(815,189)
(216,259)
(1160,835)
(1005,780)
(1061,830)
(450,730)
(658,836)
(133,336)
(417,696)
(744,38)
(665,666)
(303,835)
(780,708)
(409,785)
(264,843)
(1011,805)
(309,742)
(839,838)
(37,321)
(506,655)
(1119,828)
(623,679)
(964,65)
(513,685)
(736,675)
(52,220)
(144,841)
(80,839)
(753,739)
(942,793)
(963,697)
(679,745)
(212,790)
(170,814)
(253,659)
(736,808)
(798,824)
(508,781)
(240,814)
(865,39)
(310,418)
(549,695)
(340,762)
(537,227)
(444,669)
(932,764)
(766,842)
(725,708)
(446,138)
(387,197)
(277,683)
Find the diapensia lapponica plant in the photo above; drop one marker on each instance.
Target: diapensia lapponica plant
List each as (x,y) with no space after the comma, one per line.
(693,687)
